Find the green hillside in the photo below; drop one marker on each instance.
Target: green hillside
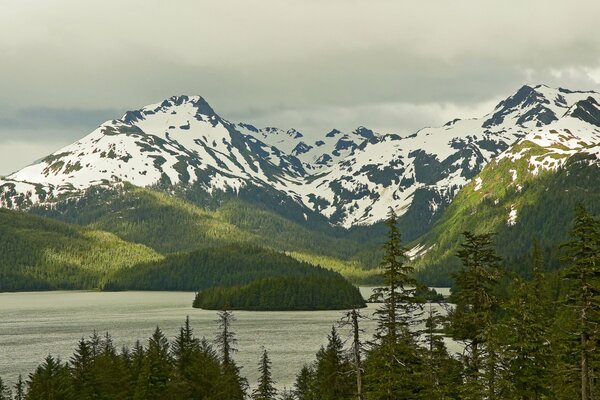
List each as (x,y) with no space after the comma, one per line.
(169,224)
(544,204)
(39,254)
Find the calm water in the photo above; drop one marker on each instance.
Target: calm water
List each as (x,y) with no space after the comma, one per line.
(33,325)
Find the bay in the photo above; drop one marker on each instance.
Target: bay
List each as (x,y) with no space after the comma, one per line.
(35,324)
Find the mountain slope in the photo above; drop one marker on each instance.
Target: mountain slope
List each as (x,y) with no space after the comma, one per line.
(169,224)
(350,179)
(528,192)
(39,253)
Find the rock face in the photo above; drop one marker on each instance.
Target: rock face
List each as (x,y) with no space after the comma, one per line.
(351,178)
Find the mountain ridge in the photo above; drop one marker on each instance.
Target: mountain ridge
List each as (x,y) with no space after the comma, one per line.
(350,178)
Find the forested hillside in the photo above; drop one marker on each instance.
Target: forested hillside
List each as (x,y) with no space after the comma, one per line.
(41,254)
(169,224)
(541,204)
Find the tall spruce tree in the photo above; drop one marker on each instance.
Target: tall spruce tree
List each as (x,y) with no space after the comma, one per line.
(266,385)
(19,389)
(232,384)
(333,373)
(472,320)
(5,392)
(156,369)
(394,364)
(525,334)
(582,272)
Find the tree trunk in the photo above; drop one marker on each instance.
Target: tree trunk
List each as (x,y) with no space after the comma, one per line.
(357,359)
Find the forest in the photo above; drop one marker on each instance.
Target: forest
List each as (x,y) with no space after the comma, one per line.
(523,337)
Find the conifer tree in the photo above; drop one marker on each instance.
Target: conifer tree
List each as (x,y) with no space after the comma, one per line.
(50,381)
(82,373)
(232,385)
(333,373)
(265,389)
(156,369)
(394,366)
(303,387)
(583,298)
(20,389)
(472,319)
(525,334)
(5,393)
(351,318)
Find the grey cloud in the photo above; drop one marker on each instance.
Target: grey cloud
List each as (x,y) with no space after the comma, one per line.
(69,65)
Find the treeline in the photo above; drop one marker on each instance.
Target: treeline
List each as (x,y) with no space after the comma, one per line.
(310,292)
(522,339)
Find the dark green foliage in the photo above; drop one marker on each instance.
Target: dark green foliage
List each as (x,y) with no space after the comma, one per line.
(582,299)
(472,320)
(220,266)
(314,291)
(265,389)
(50,381)
(186,369)
(394,365)
(5,392)
(169,223)
(524,333)
(548,204)
(41,254)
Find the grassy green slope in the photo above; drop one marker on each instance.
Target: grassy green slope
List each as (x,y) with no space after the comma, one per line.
(544,204)
(39,253)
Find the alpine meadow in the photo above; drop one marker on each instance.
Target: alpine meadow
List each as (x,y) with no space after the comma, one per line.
(278,200)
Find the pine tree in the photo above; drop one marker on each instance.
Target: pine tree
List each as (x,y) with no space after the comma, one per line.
(265,389)
(351,318)
(304,385)
(82,371)
(19,389)
(5,393)
(232,385)
(525,334)
(156,369)
(472,319)
(394,366)
(50,381)
(333,373)
(583,298)
(442,371)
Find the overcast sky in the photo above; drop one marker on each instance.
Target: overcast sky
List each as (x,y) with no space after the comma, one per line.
(394,66)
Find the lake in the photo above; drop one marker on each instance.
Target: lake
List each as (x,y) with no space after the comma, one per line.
(35,324)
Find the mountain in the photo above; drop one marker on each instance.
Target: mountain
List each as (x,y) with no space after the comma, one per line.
(528,192)
(320,197)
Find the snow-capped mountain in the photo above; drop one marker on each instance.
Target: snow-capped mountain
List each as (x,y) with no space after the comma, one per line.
(352,178)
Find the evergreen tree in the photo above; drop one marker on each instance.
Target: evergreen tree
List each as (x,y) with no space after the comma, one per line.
(232,385)
(442,371)
(265,389)
(19,389)
(156,369)
(333,373)
(394,365)
(82,373)
(525,336)
(582,273)
(304,385)
(472,319)
(351,318)
(50,381)
(5,393)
